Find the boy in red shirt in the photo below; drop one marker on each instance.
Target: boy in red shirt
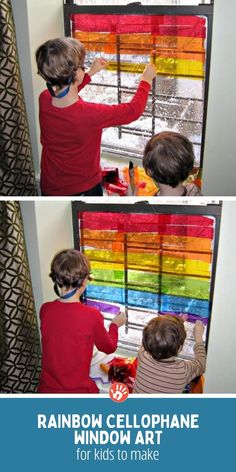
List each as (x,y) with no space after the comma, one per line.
(70,329)
(71,129)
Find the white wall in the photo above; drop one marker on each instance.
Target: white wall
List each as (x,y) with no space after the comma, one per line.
(221,359)
(35,22)
(48,228)
(219,169)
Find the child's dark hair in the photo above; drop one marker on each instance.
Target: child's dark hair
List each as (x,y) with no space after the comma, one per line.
(69,268)
(168,158)
(59,59)
(163,336)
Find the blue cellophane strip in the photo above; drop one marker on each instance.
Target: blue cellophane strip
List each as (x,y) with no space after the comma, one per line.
(106,293)
(150,301)
(185,305)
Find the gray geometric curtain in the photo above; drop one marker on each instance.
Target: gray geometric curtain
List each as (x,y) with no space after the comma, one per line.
(16,166)
(20,352)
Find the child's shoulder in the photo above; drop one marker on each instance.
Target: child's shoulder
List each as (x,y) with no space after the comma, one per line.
(45,96)
(92,311)
(49,304)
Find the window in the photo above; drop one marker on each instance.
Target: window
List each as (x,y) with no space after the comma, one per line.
(159,259)
(129,37)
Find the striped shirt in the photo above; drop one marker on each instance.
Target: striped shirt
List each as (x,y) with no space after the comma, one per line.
(168,375)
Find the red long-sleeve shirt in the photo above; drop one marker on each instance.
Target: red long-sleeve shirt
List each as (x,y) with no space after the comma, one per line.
(69,333)
(71,139)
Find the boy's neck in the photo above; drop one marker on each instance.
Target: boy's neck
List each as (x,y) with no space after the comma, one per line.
(71,98)
(73,298)
(168,191)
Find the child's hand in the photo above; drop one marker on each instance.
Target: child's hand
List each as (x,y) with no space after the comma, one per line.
(149,73)
(183,317)
(97,65)
(198,331)
(119,320)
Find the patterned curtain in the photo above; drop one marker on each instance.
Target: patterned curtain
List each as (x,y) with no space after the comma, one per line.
(19,335)
(16,167)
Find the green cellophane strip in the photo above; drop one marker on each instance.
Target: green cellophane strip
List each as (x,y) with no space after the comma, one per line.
(190,287)
(150,282)
(116,276)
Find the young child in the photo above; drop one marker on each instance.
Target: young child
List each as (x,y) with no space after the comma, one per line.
(159,371)
(71,129)
(70,329)
(168,159)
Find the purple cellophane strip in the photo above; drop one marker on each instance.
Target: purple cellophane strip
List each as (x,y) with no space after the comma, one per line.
(105,307)
(191,317)
(105,382)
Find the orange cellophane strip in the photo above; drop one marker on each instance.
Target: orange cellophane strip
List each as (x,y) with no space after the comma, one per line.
(187,243)
(154,248)
(184,243)
(103,234)
(140,43)
(109,245)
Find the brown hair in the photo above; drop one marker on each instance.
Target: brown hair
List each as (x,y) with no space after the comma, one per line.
(69,268)
(168,158)
(163,336)
(59,59)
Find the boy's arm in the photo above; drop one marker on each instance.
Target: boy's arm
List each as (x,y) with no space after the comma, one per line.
(106,341)
(104,116)
(97,65)
(86,81)
(197,366)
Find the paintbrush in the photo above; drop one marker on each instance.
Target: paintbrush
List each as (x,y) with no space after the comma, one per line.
(131,178)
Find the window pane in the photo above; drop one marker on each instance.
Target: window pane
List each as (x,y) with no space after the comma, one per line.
(148,264)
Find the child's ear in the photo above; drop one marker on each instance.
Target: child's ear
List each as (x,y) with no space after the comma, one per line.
(85,281)
(180,349)
(79,76)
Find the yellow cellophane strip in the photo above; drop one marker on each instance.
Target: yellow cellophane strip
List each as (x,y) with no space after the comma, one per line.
(104,256)
(106,266)
(146,261)
(185,266)
(179,67)
(197,256)
(164,65)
